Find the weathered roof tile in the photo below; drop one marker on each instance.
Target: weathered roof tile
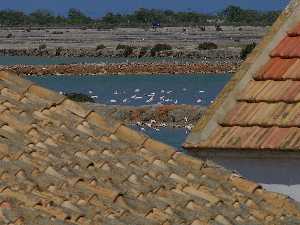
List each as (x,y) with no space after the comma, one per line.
(265,114)
(56,168)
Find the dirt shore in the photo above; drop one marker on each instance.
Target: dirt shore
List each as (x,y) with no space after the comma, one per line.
(123,69)
(179,116)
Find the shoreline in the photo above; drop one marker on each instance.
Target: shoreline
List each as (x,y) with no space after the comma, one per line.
(152,116)
(123,69)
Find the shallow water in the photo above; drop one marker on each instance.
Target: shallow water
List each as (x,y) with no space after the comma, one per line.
(184,89)
(171,136)
(143,90)
(140,89)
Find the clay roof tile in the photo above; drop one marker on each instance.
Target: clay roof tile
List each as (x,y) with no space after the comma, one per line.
(62,163)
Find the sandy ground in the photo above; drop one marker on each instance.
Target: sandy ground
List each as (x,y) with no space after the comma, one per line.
(90,38)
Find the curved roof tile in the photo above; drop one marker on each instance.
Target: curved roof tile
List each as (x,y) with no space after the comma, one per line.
(61,163)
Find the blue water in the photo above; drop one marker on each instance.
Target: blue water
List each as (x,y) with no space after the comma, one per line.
(140,89)
(171,136)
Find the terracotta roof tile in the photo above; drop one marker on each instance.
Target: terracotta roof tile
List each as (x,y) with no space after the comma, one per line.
(63,164)
(293,72)
(276,70)
(285,47)
(263,114)
(294,32)
(266,114)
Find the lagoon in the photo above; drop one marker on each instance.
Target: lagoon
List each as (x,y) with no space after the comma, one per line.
(138,90)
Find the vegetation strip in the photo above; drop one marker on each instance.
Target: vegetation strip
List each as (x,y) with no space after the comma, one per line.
(232,15)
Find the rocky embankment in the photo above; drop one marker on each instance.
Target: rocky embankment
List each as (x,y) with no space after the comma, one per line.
(126,68)
(182,116)
(229,54)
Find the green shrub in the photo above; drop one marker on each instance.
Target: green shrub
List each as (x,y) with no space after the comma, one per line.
(57,32)
(159,48)
(79,97)
(128,50)
(218,28)
(42,46)
(121,46)
(101,46)
(58,51)
(247,50)
(207,46)
(144,51)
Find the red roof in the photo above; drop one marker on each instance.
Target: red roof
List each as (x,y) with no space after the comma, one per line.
(266,114)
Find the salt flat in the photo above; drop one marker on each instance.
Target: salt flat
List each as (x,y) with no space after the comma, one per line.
(89,38)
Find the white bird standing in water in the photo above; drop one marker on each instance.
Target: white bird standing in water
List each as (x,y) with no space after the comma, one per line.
(150,100)
(153,121)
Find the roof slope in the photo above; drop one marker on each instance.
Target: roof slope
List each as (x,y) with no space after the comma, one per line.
(63,164)
(265,111)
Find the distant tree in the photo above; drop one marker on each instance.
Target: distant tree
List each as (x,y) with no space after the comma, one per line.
(42,17)
(233,13)
(12,18)
(75,16)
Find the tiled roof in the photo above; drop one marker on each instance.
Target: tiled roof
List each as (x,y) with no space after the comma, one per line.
(266,112)
(63,164)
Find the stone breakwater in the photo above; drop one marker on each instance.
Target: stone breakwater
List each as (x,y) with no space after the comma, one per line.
(120,69)
(179,116)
